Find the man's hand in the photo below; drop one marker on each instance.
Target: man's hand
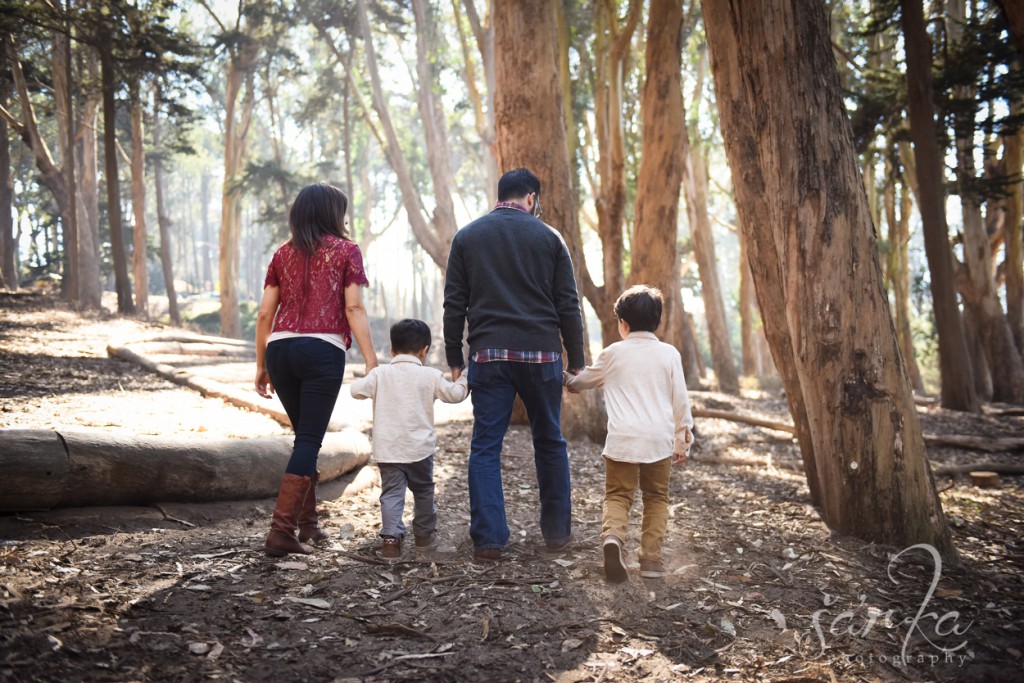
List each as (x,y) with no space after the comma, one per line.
(456,374)
(264,387)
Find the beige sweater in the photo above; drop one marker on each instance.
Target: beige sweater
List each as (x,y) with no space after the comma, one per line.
(403,396)
(649,415)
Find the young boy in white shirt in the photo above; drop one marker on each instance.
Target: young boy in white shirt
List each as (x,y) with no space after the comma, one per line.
(403,394)
(649,428)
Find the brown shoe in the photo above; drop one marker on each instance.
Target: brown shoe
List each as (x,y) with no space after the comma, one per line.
(309,520)
(558,546)
(391,548)
(652,569)
(281,539)
(487,554)
(614,562)
(426,541)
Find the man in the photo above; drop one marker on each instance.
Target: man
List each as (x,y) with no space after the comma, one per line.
(510,276)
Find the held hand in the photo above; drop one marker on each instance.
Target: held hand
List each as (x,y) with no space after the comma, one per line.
(264,387)
(678,458)
(456,374)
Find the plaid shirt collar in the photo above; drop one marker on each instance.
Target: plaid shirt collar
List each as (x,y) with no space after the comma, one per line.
(511,205)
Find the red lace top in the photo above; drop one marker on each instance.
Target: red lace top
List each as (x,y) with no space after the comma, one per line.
(312,288)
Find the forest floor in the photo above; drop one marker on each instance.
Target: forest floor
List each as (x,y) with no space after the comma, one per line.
(759,590)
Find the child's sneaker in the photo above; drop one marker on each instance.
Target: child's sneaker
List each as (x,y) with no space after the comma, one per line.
(391,548)
(652,569)
(614,562)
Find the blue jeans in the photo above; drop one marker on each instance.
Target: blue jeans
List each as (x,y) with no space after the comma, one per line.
(306,373)
(493,389)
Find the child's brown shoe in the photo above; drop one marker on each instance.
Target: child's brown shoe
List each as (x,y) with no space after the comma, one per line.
(614,562)
(426,541)
(652,569)
(391,548)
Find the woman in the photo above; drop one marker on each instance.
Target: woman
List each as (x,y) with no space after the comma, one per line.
(312,307)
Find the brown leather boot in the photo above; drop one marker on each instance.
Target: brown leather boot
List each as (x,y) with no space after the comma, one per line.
(281,539)
(309,520)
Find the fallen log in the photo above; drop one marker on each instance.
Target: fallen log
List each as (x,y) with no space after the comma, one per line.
(46,469)
(998,468)
(745,419)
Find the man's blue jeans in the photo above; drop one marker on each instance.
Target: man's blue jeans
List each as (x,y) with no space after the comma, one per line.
(493,388)
(306,373)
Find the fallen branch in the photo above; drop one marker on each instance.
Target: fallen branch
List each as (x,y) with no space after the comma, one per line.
(998,468)
(746,419)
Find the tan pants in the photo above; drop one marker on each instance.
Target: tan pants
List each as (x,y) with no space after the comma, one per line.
(620,484)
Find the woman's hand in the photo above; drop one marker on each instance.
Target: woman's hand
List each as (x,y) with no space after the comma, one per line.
(264,387)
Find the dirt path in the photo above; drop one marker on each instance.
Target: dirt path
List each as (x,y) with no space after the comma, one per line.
(759,590)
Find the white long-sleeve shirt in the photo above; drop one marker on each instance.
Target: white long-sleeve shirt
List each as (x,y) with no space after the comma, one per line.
(645,393)
(403,394)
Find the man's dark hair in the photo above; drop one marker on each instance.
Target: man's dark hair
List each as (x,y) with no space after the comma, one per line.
(640,306)
(517,183)
(318,210)
(409,336)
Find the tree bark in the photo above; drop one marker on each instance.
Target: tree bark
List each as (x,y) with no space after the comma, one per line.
(62,88)
(91,288)
(483,105)
(527,91)
(1013,160)
(1013,10)
(1004,361)
(655,256)
(816,270)
(45,469)
(163,222)
(122,284)
(140,265)
(8,246)
(954,362)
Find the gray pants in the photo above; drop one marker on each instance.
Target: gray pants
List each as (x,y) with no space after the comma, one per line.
(394,478)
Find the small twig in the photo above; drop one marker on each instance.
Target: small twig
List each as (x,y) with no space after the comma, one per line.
(172,519)
(401,658)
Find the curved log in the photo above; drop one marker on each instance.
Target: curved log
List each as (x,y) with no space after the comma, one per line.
(45,469)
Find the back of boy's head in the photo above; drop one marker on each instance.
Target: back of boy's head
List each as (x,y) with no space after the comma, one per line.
(409,336)
(640,307)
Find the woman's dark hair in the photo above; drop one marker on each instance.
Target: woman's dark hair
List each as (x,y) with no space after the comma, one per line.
(640,306)
(409,336)
(318,210)
(517,183)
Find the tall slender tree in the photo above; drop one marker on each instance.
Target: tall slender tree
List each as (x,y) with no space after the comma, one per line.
(814,257)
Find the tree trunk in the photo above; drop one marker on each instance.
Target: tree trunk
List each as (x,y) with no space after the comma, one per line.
(91,287)
(237,118)
(1013,10)
(954,362)
(747,303)
(695,185)
(8,246)
(62,88)
(206,235)
(434,127)
(163,222)
(483,106)
(612,55)
(122,284)
(434,243)
(816,269)
(1004,361)
(527,91)
(655,256)
(140,265)
(1013,159)
(898,273)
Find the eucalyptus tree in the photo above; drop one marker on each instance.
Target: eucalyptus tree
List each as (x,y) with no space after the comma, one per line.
(814,257)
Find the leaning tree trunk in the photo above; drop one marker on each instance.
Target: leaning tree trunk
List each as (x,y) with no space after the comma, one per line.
(122,284)
(655,257)
(816,269)
(1013,159)
(140,267)
(526,92)
(954,362)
